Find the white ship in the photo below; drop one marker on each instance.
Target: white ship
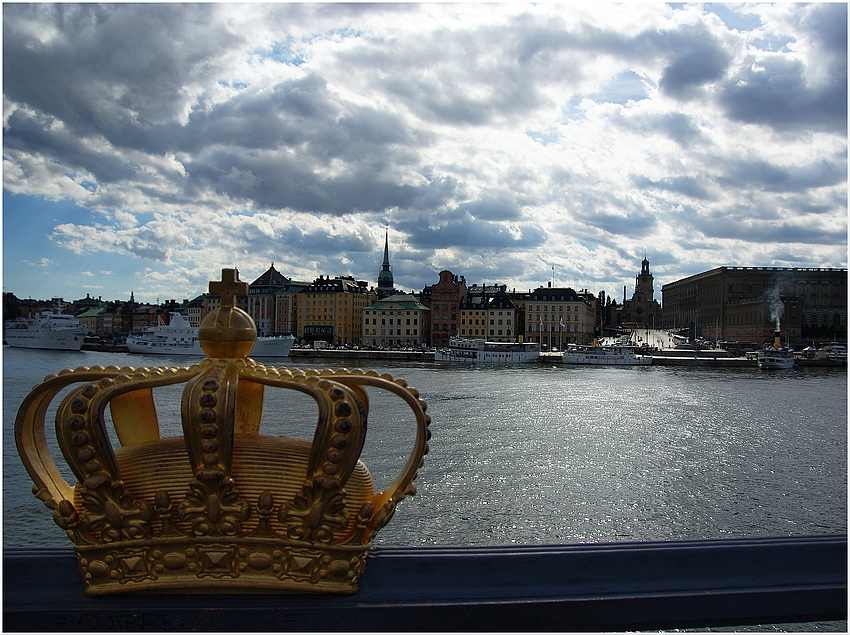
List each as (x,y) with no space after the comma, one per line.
(54,331)
(477,350)
(605,356)
(179,338)
(776,358)
(773,359)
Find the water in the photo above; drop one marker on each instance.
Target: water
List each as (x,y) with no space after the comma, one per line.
(534,455)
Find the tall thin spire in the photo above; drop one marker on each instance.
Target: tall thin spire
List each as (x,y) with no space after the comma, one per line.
(385,276)
(386,265)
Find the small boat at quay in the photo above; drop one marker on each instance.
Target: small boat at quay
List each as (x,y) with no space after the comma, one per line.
(178,337)
(478,350)
(605,356)
(51,331)
(776,358)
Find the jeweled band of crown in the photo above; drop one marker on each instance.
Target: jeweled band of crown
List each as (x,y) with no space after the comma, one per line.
(223,507)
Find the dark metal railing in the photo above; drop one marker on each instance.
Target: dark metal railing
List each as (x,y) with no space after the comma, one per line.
(599,587)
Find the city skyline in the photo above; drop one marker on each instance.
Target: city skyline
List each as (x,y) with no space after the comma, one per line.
(146,147)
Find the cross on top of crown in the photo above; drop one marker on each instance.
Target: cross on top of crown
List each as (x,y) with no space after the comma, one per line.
(229,287)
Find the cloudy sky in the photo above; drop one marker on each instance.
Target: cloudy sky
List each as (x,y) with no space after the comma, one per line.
(145,146)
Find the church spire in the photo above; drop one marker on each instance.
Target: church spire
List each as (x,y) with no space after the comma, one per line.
(385,276)
(386,265)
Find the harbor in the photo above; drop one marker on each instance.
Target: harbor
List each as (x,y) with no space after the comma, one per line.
(548,453)
(718,359)
(546,467)
(660,345)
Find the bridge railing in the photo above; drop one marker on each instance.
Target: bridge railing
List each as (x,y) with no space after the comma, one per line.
(598,587)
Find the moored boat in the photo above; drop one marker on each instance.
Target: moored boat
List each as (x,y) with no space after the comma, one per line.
(178,337)
(605,356)
(277,346)
(776,358)
(52,331)
(478,350)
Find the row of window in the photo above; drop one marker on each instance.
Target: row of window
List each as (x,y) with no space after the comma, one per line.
(547,327)
(482,332)
(390,312)
(483,321)
(555,307)
(556,318)
(801,287)
(414,333)
(384,321)
(813,300)
(484,312)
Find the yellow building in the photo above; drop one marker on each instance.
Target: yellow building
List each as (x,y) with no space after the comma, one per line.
(331,309)
(555,317)
(397,321)
(489,313)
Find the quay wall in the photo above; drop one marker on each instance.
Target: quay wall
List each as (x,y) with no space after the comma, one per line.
(664,358)
(325,353)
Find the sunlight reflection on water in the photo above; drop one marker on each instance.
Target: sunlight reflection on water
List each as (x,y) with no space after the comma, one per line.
(557,455)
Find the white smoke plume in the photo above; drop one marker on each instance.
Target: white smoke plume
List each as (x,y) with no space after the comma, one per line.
(777,307)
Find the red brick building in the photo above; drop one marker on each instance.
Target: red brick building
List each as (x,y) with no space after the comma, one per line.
(444,298)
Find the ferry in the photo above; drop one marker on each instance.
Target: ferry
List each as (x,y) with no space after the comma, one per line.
(51,331)
(478,350)
(605,356)
(776,358)
(178,337)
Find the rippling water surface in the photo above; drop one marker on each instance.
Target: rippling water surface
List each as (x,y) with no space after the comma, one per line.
(553,454)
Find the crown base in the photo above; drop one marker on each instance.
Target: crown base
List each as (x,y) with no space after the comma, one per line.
(205,565)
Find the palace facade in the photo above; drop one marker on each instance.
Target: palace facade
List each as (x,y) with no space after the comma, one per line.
(748,303)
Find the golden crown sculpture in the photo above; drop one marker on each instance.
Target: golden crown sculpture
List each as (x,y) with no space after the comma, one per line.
(223,508)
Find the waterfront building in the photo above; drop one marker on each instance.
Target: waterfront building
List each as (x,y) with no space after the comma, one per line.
(272,302)
(386,285)
(143,316)
(642,311)
(84,304)
(747,303)
(557,316)
(331,309)
(173,306)
(28,308)
(399,320)
(489,315)
(473,314)
(444,298)
(195,311)
(93,320)
(125,322)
